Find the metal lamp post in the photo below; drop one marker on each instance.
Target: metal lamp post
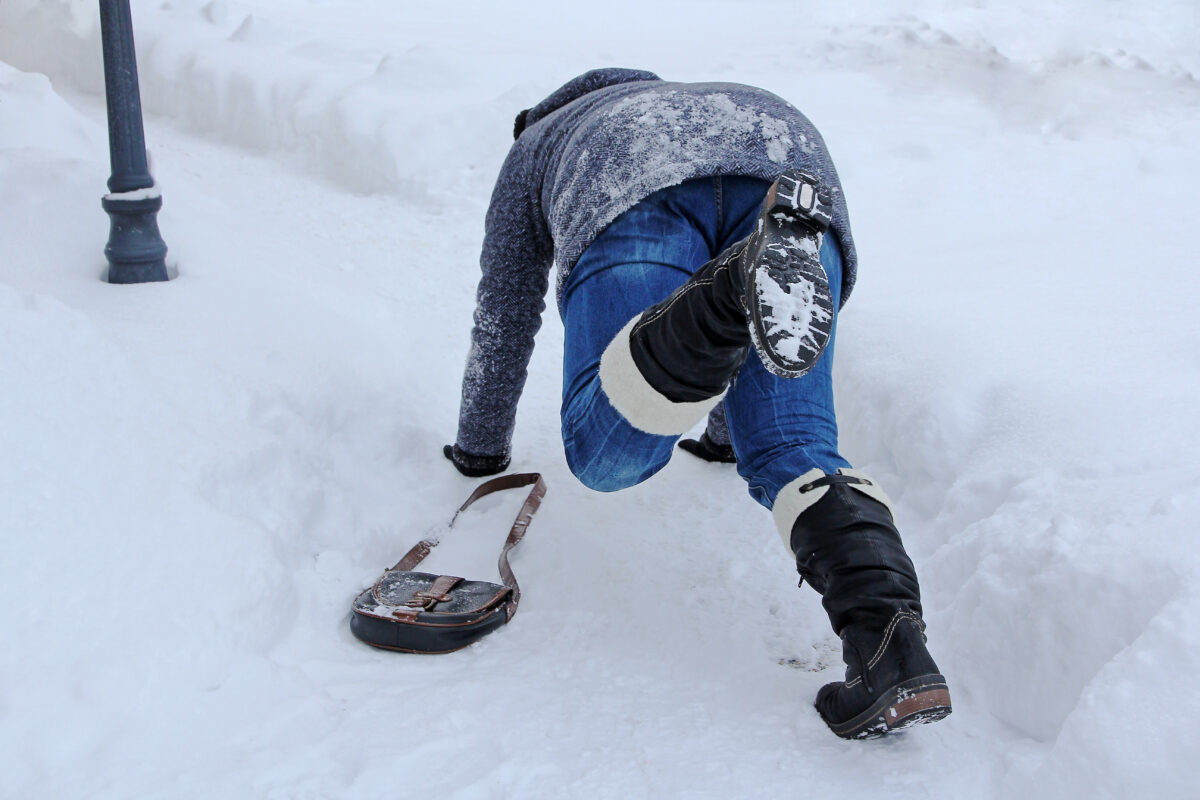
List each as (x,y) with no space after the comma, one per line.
(135,250)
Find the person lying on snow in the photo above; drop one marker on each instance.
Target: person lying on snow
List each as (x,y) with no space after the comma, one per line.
(703,250)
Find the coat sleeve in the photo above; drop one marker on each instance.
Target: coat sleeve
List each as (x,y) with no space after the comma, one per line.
(516,259)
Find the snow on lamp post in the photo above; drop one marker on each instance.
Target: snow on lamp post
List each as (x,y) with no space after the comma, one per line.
(135,250)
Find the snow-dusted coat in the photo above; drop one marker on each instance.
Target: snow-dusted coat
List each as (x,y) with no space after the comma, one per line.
(590,151)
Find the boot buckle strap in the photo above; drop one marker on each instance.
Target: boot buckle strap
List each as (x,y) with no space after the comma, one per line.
(830,480)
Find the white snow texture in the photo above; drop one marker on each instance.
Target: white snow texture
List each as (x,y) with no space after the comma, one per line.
(198,476)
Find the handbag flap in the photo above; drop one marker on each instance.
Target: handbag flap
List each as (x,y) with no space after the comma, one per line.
(438,594)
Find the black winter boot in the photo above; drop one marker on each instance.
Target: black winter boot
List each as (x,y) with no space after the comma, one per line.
(847,547)
(787,296)
(689,346)
(891,681)
(666,368)
(768,289)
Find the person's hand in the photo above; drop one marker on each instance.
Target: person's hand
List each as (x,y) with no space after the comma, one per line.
(474,466)
(708,450)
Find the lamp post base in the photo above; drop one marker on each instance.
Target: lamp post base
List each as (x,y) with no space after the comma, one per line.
(136,251)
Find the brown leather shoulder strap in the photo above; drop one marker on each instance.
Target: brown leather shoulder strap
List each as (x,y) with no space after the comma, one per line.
(514,481)
(517,533)
(416,555)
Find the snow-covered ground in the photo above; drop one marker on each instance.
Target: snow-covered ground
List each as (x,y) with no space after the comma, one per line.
(197,477)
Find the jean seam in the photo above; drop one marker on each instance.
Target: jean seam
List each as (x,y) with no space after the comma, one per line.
(718,197)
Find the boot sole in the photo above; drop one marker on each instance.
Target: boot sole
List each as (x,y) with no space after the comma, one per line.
(917,701)
(787,288)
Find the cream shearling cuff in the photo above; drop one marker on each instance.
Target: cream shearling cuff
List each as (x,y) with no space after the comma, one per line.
(790,503)
(639,402)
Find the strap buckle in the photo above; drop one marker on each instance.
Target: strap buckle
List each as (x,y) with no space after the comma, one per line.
(427,600)
(830,480)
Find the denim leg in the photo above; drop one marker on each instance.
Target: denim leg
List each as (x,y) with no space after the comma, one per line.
(780,428)
(783,427)
(639,259)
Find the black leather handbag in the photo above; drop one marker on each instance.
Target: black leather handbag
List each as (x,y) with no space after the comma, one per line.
(419,612)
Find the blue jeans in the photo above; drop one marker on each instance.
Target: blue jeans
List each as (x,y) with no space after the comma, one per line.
(780,428)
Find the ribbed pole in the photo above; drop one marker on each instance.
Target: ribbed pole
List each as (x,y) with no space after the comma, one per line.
(135,250)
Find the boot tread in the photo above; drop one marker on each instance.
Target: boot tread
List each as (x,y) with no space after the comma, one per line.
(783,257)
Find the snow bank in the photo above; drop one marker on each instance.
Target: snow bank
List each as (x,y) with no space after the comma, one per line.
(219,70)
(346,91)
(1017,367)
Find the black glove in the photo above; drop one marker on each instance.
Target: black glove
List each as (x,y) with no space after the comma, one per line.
(474,466)
(709,450)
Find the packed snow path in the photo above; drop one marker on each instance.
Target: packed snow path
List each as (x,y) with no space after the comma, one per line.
(197,477)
